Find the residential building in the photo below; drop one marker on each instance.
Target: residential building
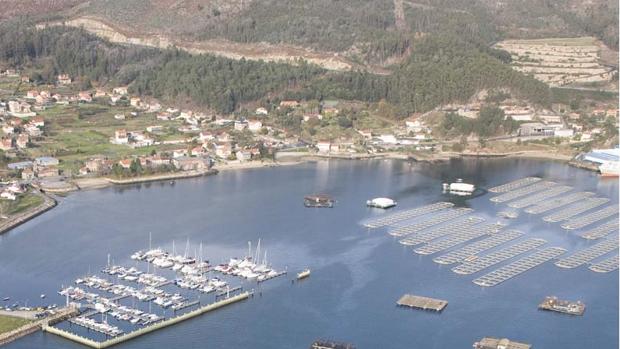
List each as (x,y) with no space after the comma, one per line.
(255,125)
(120,137)
(22,141)
(64,79)
(190,164)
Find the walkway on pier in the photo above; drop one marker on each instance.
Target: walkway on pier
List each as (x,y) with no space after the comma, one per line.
(514,185)
(540,197)
(439,218)
(558,202)
(575,209)
(498,256)
(407,214)
(590,218)
(518,267)
(467,234)
(602,230)
(435,233)
(514,194)
(473,249)
(588,254)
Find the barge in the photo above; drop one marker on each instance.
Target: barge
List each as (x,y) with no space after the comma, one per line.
(562,306)
(303,274)
(319,200)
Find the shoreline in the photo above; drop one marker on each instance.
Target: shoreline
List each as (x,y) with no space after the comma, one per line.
(92,183)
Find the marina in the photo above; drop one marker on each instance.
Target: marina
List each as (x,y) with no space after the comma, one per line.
(605,266)
(601,230)
(558,202)
(435,233)
(517,193)
(536,198)
(471,250)
(439,218)
(514,185)
(406,214)
(575,209)
(477,264)
(590,218)
(518,267)
(588,254)
(422,303)
(562,306)
(467,234)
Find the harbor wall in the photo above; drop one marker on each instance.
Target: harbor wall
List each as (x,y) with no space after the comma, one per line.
(48,204)
(162,324)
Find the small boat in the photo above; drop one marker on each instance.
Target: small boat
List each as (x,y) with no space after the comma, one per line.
(303,274)
(383,203)
(43,296)
(459,188)
(6,299)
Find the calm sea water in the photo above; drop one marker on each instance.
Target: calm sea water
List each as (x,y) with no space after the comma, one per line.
(357,275)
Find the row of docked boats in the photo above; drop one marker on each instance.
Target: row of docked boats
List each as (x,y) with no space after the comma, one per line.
(102,327)
(247,269)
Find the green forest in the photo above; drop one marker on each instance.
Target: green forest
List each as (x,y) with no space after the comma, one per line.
(442,68)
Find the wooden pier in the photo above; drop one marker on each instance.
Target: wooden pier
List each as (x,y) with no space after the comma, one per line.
(423,303)
(407,214)
(439,218)
(463,236)
(539,197)
(514,185)
(473,249)
(156,326)
(591,218)
(520,266)
(558,202)
(575,209)
(498,256)
(438,232)
(602,230)
(605,266)
(518,193)
(588,254)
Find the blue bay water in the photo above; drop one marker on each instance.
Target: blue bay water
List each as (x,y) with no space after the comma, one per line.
(357,274)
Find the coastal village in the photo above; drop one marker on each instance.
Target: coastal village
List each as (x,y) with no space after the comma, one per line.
(64,137)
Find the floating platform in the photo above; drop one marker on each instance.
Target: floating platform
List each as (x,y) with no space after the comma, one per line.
(473,249)
(558,202)
(405,215)
(439,218)
(562,306)
(591,218)
(540,197)
(478,264)
(497,343)
(602,230)
(514,194)
(606,265)
(520,266)
(438,232)
(575,209)
(423,303)
(467,234)
(586,255)
(328,344)
(514,185)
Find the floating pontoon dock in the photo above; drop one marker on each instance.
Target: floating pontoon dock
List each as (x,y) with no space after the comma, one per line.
(602,230)
(514,194)
(465,235)
(517,267)
(586,255)
(590,218)
(435,233)
(156,326)
(562,306)
(514,185)
(473,249)
(575,209)
(423,303)
(606,265)
(558,202)
(499,256)
(407,214)
(439,218)
(539,197)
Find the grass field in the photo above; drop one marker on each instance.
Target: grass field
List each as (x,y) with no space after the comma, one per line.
(22,203)
(9,323)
